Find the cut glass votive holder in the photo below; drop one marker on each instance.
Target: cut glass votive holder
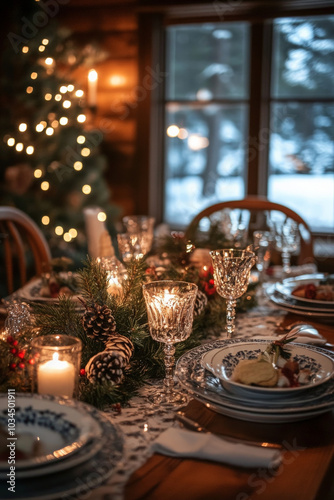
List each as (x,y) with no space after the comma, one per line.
(57,365)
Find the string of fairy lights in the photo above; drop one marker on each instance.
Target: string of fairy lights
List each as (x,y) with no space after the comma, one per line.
(65,95)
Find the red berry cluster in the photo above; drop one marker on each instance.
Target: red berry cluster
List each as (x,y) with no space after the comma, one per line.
(117,408)
(207,281)
(151,272)
(19,358)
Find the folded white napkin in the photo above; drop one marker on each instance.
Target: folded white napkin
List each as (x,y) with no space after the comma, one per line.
(301,339)
(177,442)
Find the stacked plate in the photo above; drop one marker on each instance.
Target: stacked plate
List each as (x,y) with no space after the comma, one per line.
(206,372)
(31,292)
(281,294)
(41,436)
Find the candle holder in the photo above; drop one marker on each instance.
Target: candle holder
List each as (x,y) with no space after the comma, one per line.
(57,364)
(116,274)
(170,311)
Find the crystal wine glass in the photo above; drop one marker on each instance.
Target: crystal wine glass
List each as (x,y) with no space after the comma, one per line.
(170,310)
(141,228)
(262,246)
(231,271)
(129,246)
(287,241)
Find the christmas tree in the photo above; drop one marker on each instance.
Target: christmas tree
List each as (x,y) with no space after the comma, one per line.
(51,162)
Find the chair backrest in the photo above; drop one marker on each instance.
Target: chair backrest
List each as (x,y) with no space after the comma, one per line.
(21,240)
(257,204)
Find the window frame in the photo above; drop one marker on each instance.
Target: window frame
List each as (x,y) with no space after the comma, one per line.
(152,21)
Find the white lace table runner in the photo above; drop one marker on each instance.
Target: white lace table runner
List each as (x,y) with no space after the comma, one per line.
(141,422)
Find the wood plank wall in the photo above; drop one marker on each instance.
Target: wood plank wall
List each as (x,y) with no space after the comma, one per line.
(110,29)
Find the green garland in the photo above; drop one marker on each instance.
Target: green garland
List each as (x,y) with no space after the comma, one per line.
(129,311)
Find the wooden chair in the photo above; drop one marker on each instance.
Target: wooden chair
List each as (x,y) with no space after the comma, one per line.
(257,205)
(22,242)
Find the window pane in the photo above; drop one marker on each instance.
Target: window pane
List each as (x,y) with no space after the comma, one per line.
(303,62)
(302,160)
(205,157)
(207,61)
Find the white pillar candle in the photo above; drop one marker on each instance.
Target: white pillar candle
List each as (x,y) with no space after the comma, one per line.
(94,230)
(56,377)
(92,87)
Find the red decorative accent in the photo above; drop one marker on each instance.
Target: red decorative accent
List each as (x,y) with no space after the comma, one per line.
(207,281)
(82,372)
(31,361)
(310,291)
(18,355)
(117,408)
(151,271)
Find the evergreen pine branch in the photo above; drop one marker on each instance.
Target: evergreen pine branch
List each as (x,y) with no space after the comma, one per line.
(93,283)
(57,319)
(129,311)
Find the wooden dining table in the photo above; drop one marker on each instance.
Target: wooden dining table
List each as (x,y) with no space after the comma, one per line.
(306,471)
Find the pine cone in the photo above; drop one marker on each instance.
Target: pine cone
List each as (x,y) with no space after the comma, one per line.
(122,344)
(201,302)
(99,322)
(106,366)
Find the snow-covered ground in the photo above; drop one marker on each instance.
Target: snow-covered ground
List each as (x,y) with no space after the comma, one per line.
(312,196)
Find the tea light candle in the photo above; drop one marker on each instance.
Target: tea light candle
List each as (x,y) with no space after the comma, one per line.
(115,286)
(56,377)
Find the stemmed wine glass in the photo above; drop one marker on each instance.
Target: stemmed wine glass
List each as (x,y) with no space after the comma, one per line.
(262,247)
(129,247)
(231,271)
(287,241)
(141,229)
(170,311)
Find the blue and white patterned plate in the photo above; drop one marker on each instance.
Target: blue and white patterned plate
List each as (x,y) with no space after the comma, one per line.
(80,476)
(204,386)
(53,431)
(226,360)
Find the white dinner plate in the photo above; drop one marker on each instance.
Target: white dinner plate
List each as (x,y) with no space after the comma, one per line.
(287,286)
(30,292)
(264,418)
(292,306)
(226,360)
(57,430)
